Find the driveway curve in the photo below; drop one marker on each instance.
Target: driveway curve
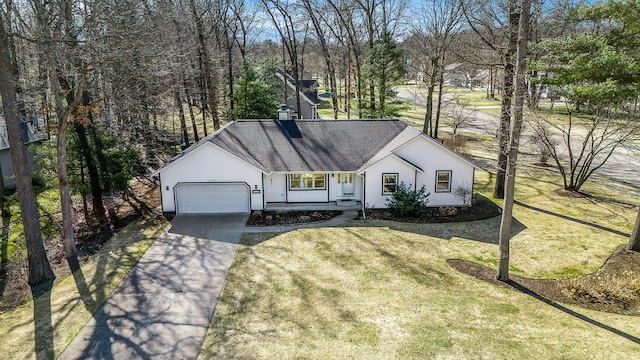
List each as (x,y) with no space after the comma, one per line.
(163,307)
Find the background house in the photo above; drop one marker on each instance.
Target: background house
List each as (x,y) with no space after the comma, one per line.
(308,96)
(30,134)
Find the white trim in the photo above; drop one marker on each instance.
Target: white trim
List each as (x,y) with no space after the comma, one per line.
(363,170)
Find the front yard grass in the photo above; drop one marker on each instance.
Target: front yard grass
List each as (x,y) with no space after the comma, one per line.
(382,289)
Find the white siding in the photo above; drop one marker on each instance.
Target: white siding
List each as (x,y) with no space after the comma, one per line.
(373,189)
(209,164)
(431,157)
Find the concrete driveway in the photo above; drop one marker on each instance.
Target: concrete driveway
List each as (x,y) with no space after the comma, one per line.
(163,307)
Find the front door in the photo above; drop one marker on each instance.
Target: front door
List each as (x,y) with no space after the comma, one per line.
(347,184)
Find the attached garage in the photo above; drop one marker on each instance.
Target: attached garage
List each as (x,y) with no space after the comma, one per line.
(212,198)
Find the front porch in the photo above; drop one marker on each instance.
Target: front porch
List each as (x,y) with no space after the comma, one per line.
(340,205)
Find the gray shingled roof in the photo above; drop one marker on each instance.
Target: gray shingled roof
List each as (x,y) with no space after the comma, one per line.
(28,133)
(307,145)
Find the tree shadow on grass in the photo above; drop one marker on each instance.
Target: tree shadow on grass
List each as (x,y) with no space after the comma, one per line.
(43,326)
(532,287)
(579,221)
(485,231)
(525,290)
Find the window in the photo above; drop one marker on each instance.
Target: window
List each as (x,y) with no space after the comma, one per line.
(443,181)
(389,183)
(306,182)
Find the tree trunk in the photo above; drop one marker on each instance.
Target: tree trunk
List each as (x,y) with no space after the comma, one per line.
(193,117)
(92,162)
(83,195)
(439,108)
(359,87)
(39,268)
(102,160)
(296,79)
(507,94)
(183,122)
(92,170)
(210,76)
(348,81)
(63,187)
(634,240)
(230,70)
(326,53)
(203,93)
(285,87)
(372,87)
(512,158)
(428,116)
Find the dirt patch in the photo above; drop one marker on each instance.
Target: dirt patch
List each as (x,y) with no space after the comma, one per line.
(481,208)
(614,288)
(142,197)
(570,193)
(543,165)
(270,218)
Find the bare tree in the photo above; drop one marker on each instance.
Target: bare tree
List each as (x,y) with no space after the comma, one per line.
(59,43)
(514,140)
(39,268)
(349,26)
(211,79)
(438,23)
(458,115)
(315,13)
(282,15)
(588,140)
(483,16)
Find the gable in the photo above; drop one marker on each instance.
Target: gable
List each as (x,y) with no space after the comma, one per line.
(422,150)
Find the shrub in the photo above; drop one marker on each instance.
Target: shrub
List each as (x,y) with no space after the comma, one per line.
(604,288)
(463,192)
(408,202)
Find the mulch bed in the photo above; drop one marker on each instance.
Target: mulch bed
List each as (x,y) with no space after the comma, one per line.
(481,208)
(270,218)
(554,291)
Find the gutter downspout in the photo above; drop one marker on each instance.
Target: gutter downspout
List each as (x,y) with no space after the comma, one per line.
(364,183)
(264,198)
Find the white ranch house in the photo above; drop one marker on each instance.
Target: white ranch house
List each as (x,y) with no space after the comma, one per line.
(260,164)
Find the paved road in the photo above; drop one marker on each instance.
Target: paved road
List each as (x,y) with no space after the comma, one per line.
(623,166)
(163,307)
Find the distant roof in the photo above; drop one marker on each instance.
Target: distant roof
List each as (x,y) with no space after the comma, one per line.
(29,134)
(307,145)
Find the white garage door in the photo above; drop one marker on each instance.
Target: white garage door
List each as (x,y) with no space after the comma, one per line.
(212,198)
